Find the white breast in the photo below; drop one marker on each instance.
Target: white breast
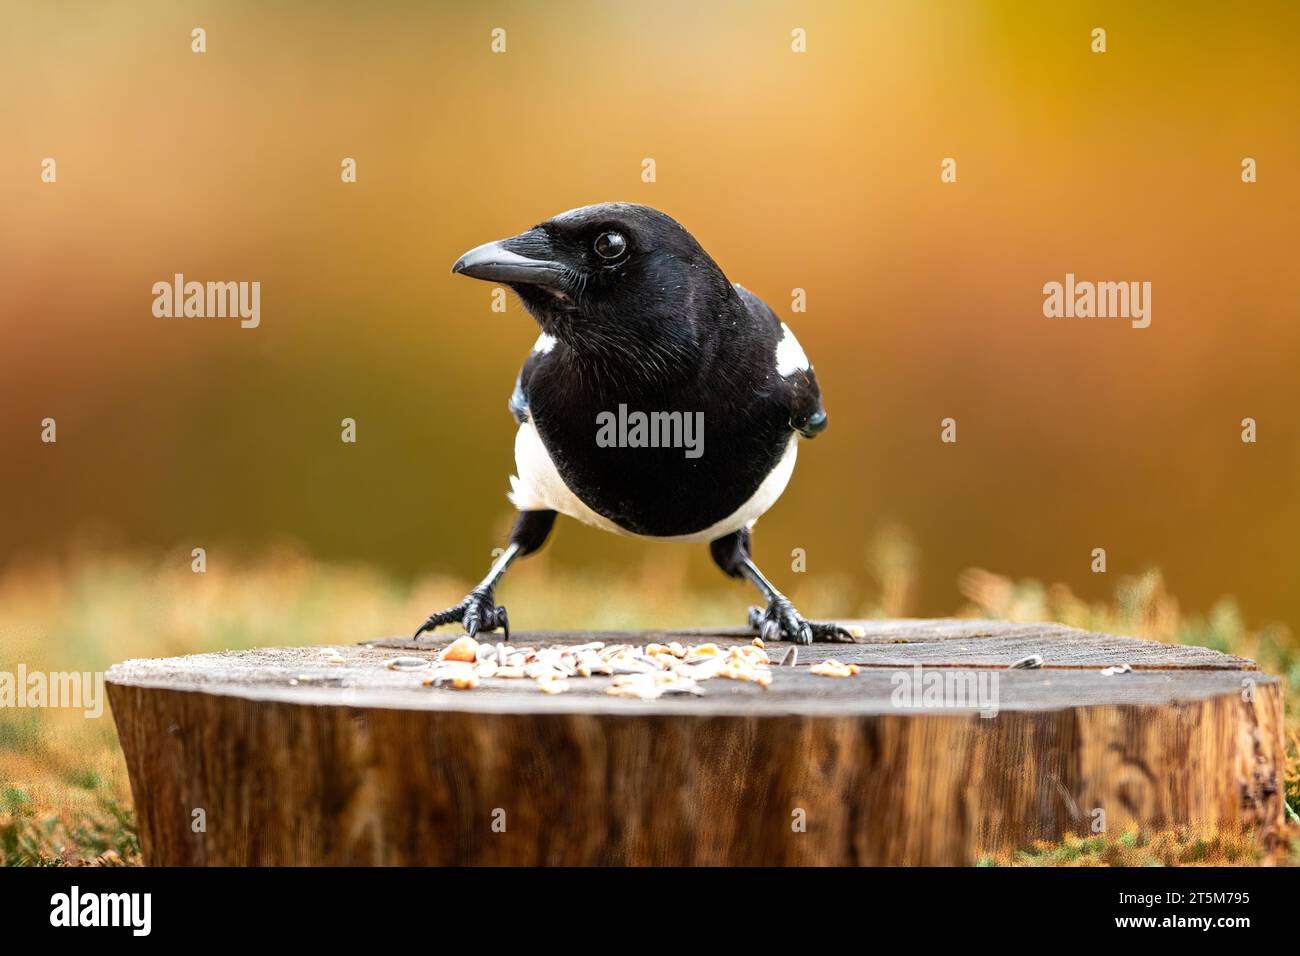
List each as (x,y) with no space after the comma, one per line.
(539,487)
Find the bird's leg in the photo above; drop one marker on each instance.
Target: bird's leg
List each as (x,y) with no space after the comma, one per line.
(780,620)
(480,611)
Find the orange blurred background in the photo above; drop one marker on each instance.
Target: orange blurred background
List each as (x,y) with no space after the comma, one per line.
(817,170)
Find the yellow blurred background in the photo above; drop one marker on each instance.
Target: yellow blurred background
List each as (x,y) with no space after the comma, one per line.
(817,171)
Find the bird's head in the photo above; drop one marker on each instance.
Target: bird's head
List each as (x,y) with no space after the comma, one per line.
(613,272)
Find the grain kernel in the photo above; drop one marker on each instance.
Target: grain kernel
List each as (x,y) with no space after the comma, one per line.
(462,649)
(833,669)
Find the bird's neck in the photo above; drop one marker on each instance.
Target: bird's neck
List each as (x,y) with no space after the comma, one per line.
(616,361)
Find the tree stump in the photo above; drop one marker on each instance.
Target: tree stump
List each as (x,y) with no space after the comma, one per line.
(276,756)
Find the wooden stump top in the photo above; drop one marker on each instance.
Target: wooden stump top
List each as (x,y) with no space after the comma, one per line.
(303,757)
(1070,674)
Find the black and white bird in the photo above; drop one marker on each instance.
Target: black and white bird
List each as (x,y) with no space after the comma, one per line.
(636,317)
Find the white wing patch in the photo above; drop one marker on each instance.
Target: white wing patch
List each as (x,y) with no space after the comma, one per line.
(790,357)
(544,343)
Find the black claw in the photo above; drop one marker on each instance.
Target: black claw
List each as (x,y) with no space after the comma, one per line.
(831,632)
(478,612)
(780,621)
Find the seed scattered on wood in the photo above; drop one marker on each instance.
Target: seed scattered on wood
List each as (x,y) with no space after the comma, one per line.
(633,685)
(1031,662)
(1116,669)
(651,686)
(552,683)
(406,664)
(641,672)
(754,675)
(542,669)
(750,654)
(833,669)
(459,674)
(461,649)
(627,664)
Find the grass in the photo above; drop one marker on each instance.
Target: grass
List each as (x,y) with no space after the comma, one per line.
(64,794)
(1187,846)
(102,835)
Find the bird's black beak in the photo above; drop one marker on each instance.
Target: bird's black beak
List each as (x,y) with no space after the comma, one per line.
(525,259)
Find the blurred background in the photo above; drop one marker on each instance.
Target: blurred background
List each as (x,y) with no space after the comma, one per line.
(817,171)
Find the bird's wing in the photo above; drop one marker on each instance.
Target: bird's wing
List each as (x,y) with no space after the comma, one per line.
(519,397)
(518,400)
(795,381)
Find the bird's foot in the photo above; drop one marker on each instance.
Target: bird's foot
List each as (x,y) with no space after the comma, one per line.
(478,612)
(781,622)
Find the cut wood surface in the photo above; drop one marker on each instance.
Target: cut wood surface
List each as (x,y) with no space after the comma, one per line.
(292,759)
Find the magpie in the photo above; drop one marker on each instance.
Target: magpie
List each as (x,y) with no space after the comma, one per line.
(635,315)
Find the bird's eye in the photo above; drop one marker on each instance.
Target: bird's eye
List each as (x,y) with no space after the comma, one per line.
(610,245)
